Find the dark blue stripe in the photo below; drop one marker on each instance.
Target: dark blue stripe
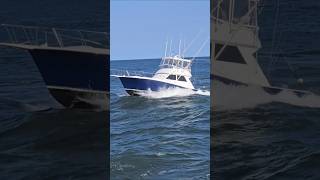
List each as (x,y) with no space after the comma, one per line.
(144,84)
(73,69)
(226,80)
(269,90)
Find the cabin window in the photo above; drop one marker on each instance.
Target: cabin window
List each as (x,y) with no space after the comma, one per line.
(172,77)
(182,78)
(229,54)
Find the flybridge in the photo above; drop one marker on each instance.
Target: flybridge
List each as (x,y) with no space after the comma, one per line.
(31,37)
(178,61)
(236,42)
(175,62)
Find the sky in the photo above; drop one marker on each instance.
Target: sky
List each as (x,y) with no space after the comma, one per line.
(139,29)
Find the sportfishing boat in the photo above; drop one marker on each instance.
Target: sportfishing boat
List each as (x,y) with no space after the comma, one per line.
(235,44)
(75,68)
(175,71)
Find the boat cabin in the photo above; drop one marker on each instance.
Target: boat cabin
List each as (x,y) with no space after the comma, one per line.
(176,70)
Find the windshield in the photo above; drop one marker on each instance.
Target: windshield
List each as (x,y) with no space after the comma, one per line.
(177,63)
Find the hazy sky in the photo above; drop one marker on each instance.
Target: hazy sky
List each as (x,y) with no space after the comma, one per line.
(140,28)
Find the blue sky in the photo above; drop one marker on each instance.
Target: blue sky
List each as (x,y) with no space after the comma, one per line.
(140,28)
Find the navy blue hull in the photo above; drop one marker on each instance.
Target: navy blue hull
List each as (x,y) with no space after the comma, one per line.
(133,85)
(73,69)
(70,74)
(269,90)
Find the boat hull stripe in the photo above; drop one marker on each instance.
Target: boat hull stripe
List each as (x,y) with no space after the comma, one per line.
(78,70)
(77,89)
(144,84)
(269,90)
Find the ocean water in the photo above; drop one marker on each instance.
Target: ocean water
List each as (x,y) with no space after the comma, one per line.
(38,138)
(261,136)
(162,135)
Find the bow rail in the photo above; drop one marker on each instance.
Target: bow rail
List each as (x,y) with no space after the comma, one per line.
(53,37)
(123,72)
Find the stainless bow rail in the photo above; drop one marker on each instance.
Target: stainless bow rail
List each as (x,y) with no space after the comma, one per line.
(122,72)
(52,37)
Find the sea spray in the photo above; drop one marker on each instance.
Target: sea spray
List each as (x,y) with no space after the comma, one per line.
(173,92)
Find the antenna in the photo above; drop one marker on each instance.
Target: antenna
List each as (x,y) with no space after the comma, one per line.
(184,46)
(231,11)
(170,47)
(165,52)
(180,47)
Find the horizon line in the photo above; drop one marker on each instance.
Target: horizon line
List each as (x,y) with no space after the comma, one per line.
(154,58)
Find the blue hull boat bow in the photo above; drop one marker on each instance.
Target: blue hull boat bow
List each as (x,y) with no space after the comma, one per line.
(174,72)
(75,70)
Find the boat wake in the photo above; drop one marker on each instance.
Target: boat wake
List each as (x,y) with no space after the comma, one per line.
(230,97)
(173,92)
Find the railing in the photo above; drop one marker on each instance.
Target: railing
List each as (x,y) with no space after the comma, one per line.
(173,62)
(235,23)
(121,72)
(53,37)
(162,66)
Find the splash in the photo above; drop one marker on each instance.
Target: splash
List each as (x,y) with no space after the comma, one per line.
(229,97)
(173,92)
(99,103)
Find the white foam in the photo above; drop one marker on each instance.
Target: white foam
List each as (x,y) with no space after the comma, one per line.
(173,92)
(101,104)
(228,97)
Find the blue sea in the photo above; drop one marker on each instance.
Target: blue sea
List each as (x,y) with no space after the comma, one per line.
(38,138)
(162,135)
(165,135)
(260,136)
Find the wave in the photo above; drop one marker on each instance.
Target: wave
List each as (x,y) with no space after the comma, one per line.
(12,104)
(230,97)
(173,92)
